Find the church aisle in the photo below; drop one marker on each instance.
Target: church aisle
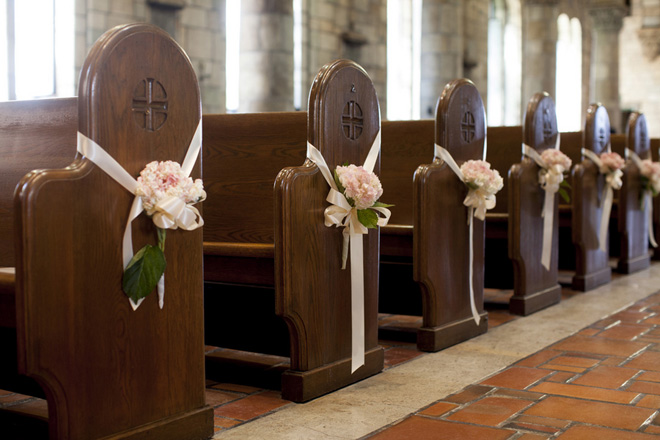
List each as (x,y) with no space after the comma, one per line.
(506,383)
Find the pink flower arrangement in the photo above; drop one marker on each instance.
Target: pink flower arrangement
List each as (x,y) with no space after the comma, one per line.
(479,176)
(613,161)
(554,157)
(650,176)
(159,180)
(361,188)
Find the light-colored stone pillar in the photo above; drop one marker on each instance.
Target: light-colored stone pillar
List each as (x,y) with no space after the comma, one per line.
(475,43)
(539,48)
(266,56)
(607,19)
(442,50)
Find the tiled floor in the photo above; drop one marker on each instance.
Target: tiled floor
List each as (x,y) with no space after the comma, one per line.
(597,375)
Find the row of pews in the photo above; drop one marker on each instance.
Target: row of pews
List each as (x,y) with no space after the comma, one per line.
(264,275)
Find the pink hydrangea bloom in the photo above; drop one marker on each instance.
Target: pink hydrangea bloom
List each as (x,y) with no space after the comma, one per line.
(159,180)
(553,157)
(613,161)
(361,187)
(651,170)
(478,174)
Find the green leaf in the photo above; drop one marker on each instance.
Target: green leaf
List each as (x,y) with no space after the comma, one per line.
(340,187)
(143,272)
(564,195)
(381,205)
(368,218)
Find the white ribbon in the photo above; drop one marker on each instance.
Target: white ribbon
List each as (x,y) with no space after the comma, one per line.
(648,197)
(168,211)
(550,177)
(477,202)
(341,214)
(613,181)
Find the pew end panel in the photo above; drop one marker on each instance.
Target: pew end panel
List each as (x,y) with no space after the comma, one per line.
(535,287)
(631,218)
(440,217)
(313,293)
(109,371)
(591,263)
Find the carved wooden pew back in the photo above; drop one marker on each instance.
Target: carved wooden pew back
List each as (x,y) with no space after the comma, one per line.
(107,370)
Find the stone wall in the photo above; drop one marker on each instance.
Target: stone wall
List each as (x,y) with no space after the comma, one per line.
(640,69)
(197,25)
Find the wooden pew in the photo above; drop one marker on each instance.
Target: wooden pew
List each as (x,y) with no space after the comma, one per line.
(535,287)
(406,146)
(298,304)
(591,264)
(655,154)
(106,370)
(629,220)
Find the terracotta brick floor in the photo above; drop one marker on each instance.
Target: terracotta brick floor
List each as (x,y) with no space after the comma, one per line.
(600,383)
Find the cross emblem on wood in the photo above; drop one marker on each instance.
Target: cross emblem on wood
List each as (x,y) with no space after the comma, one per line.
(601,137)
(547,124)
(150,104)
(468,128)
(352,121)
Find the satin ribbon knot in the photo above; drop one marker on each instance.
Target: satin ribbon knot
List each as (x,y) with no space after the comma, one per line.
(478,201)
(168,213)
(340,213)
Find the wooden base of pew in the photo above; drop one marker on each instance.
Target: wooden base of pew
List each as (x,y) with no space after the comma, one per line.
(437,338)
(633,265)
(7,300)
(589,282)
(656,254)
(526,305)
(301,386)
(25,422)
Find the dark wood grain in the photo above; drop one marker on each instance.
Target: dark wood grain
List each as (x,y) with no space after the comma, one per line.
(107,370)
(440,217)
(313,293)
(591,264)
(535,287)
(631,218)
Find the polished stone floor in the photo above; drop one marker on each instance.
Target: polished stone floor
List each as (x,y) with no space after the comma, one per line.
(588,367)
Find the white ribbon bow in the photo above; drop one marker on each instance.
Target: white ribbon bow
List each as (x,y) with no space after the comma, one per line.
(648,197)
(477,201)
(168,211)
(341,214)
(613,181)
(550,177)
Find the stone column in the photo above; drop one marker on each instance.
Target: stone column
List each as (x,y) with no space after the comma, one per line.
(607,18)
(539,48)
(266,58)
(475,51)
(442,50)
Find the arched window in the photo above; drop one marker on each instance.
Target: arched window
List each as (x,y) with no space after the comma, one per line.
(504,63)
(404,35)
(34,35)
(569,74)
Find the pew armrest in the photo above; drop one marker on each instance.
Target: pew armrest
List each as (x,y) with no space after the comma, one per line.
(246,250)
(7,297)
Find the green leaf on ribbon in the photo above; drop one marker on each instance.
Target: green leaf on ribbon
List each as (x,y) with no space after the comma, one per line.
(368,218)
(381,205)
(143,272)
(563,186)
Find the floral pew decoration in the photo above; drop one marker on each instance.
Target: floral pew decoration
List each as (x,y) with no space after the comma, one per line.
(609,164)
(354,206)
(650,175)
(166,193)
(483,183)
(554,166)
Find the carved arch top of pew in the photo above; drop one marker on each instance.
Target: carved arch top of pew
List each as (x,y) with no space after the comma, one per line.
(313,293)
(591,263)
(535,286)
(108,370)
(442,271)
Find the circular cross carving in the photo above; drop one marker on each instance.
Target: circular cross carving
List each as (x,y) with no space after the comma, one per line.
(547,124)
(468,127)
(642,135)
(150,104)
(352,121)
(601,138)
